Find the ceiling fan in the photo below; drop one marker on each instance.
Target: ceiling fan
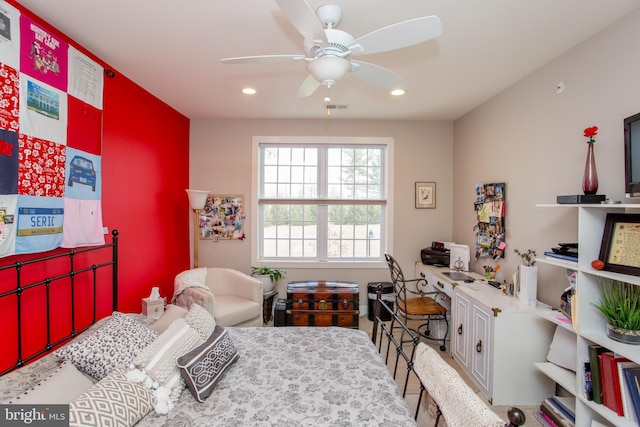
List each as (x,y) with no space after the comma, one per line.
(328,50)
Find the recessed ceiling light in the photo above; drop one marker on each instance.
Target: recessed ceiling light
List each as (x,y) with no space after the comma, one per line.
(249,91)
(397,92)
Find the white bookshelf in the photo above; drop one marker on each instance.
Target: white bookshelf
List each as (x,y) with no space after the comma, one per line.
(589,325)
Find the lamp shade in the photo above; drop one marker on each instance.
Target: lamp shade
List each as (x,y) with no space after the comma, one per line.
(197,198)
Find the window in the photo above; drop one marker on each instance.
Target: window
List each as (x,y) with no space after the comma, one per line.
(322,201)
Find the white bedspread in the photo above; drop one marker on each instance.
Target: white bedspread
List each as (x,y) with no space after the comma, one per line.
(289,376)
(297,377)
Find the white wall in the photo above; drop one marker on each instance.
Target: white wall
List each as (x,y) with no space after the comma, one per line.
(532,138)
(220,161)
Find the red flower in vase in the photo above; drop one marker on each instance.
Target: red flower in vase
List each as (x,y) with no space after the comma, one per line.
(590,132)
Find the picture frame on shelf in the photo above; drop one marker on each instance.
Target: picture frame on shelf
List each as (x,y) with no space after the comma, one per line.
(425,195)
(619,247)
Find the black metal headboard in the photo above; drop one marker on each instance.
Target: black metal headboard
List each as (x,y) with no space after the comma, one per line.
(85,273)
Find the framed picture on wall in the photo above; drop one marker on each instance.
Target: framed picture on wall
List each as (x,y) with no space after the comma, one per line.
(425,195)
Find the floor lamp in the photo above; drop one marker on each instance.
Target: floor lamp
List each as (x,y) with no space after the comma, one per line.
(197,200)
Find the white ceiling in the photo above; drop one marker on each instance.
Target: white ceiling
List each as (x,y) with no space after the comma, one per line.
(173,50)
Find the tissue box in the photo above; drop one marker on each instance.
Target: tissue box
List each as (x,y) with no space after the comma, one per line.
(153,308)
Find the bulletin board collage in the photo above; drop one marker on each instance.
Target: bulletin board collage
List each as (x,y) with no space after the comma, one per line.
(489,206)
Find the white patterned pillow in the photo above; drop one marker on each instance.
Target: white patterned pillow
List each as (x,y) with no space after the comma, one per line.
(111,346)
(171,313)
(158,360)
(205,365)
(200,320)
(62,386)
(113,401)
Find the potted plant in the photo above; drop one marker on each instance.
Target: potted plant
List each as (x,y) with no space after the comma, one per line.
(268,275)
(620,305)
(527,277)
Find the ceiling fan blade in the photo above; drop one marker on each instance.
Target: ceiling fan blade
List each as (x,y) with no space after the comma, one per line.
(397,36)
(262,58)
(308,86)
(377,75)
(304,19)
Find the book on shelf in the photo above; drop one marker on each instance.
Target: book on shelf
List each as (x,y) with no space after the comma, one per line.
(594,351)
(611,395)
(606,381)
(627,402)
(544,419)
(566,405)
(555,414)
(617,389)
(553,255)
(633,380)
(587,380)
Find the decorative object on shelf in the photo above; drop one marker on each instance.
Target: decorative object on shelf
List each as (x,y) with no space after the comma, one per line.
(620,305)
(590,178)
(569,292)
(268,276)
(527,277)
(197,200)
(619,246)
(223,218)
(490,232)
(425,195)
(581,199)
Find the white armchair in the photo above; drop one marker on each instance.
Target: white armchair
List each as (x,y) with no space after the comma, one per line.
(232,297)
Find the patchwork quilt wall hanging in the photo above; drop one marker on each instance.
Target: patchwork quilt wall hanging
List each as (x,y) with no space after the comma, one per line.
(50,139)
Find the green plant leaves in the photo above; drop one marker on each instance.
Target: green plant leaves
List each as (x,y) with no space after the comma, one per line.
(620,304)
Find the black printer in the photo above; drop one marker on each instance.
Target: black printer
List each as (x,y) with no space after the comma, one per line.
(435,255)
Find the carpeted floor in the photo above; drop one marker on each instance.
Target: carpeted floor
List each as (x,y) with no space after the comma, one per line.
(425,417)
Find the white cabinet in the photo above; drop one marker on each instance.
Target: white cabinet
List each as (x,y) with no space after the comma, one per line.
(589,325)
(494,338)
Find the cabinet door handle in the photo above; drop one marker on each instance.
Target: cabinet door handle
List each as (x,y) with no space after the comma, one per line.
(422,275)
(460,329)
(479,346)
(440,284)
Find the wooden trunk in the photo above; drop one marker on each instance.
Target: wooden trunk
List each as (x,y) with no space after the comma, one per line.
(323,303)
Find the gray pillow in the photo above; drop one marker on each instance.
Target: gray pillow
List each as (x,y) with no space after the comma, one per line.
(205,365)
(113,345)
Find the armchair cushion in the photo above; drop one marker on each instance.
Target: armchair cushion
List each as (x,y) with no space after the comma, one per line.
(232,310)
(232,297)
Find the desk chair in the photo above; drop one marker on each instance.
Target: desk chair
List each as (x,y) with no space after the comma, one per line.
(417,304)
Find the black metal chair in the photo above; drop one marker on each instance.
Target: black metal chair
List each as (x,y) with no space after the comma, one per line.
(419,304)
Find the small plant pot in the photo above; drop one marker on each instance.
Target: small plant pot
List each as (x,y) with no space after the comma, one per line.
(267,284)
(626,336)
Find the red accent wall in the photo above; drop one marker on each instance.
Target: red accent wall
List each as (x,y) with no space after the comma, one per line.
(145,166)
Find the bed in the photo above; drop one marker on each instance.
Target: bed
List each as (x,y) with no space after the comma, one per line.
(281,376)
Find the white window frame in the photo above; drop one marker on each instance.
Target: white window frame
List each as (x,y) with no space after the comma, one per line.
(388,142)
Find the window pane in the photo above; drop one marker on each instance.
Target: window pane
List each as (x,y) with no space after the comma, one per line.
(350,173)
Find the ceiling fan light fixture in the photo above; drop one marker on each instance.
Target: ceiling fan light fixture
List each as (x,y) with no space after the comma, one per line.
(328,68)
